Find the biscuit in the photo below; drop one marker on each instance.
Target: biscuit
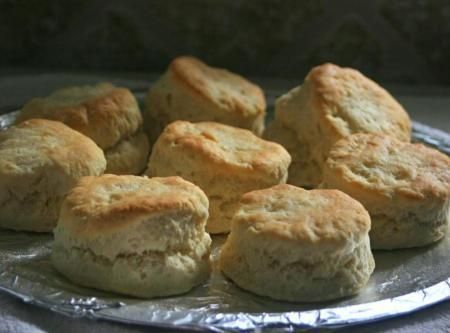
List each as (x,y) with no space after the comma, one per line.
(332,103)
(40,161)
(109,115)
(191,90)
(224,161)
(302,165)
(134,235)
(129,156)
(291,244)
(405,187)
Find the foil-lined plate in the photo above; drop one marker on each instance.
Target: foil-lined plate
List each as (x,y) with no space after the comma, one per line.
(404,281)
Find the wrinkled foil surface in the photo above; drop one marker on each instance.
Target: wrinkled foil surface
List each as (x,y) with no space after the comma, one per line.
(403,281)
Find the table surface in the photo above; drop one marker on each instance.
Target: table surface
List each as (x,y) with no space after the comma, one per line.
(429,105)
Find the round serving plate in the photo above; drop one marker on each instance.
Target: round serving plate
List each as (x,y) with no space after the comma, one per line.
(403,281)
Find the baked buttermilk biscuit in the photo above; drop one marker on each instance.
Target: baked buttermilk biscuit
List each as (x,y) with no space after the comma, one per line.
(134,235)
(224,161)
(296,245)
(191,90)
(40,161)
(300,167)
(332,103)
(405,187)
(129,156)
(109,115)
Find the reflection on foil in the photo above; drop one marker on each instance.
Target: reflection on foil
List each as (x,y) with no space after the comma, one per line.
(403,281)
(432,137)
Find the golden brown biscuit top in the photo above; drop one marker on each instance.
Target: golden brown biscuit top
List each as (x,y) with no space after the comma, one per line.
(39,143)
(102,112)
(349,103)
(227,90)
(226,146)
(99,204)
(315,217)
(385,165)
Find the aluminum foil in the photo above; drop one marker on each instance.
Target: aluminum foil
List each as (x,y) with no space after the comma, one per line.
(403,281)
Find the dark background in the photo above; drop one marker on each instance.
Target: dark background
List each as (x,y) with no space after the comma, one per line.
(402,41)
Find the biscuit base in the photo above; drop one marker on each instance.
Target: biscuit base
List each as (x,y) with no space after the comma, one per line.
(36,211)
(304,280)
(146,275)
(388,233)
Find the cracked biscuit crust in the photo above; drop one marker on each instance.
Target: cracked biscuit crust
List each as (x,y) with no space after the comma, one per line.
(109,204)
(40,160)
(325,218)
(228,148)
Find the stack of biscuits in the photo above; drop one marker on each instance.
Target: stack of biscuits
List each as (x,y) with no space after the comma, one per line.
(106,114)
(134,199)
